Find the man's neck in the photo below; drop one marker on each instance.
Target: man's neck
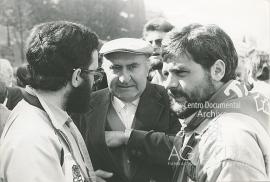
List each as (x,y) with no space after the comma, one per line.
(57,98)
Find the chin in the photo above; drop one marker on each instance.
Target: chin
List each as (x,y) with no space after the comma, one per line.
(181,110)
(177,107)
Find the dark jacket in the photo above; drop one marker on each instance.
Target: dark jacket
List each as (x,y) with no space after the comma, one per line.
(150,142)
(13,96)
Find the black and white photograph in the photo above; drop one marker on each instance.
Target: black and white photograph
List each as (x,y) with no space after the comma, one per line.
(134,90)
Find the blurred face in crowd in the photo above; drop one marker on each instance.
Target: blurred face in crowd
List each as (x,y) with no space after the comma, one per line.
(79,98)
(6,72)
(241,70)
(155,38)
(126,75)
(187,82)
(244,71)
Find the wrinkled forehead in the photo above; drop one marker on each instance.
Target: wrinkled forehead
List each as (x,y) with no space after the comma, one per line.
(180,57)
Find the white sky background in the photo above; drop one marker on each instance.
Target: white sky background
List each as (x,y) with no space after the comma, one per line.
(250,18)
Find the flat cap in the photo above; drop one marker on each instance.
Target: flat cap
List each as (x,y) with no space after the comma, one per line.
(131,45)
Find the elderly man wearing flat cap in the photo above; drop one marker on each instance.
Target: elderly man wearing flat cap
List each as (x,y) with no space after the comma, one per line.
(130,128)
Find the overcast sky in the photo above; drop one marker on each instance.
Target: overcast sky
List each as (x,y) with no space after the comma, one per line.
(250,18)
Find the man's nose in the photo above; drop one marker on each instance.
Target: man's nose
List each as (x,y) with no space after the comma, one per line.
(156,47)
(171,82)
(125,76)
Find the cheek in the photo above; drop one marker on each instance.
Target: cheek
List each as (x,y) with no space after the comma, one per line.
(140,75)
(112,80)
(189,85)
(143,71)
(186,87)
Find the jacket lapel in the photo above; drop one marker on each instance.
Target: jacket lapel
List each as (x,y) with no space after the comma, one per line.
(149,109)
(96,121)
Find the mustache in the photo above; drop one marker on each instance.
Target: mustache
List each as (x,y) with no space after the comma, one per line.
(176,93)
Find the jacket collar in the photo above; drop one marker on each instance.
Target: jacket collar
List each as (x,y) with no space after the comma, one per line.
(56,114)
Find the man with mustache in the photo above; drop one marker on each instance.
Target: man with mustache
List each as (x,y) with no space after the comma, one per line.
(130,128)
(226,132)
(40,141)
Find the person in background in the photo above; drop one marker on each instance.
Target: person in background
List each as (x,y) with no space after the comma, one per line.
(4,113)
(249,69)
(9,95)
(226,131)
(153,32)
(255,70)
(40,142)
(264,67)
(6,72)
(100,82)
(22,76)
(130,128)
(265,75)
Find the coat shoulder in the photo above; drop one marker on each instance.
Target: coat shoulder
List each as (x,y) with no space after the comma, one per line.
(160,92)
(158,88)
(97,95)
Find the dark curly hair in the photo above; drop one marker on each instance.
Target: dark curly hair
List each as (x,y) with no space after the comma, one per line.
(206,44)
(54,49)
(157,24)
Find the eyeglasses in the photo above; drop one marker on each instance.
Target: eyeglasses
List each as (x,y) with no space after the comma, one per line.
(98,73)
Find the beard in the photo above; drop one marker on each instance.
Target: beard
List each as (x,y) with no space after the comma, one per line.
(182,103)
(79,98)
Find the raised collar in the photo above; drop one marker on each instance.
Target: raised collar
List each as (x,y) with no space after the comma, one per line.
(58,116)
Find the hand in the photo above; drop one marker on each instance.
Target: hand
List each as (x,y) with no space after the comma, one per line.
(115,138)
(102,175)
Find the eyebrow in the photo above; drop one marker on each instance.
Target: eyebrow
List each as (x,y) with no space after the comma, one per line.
(132,64)
(120,65)
(179,67)
(115,65)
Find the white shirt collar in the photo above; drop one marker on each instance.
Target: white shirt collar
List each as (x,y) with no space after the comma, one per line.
(125,110)
(121,104)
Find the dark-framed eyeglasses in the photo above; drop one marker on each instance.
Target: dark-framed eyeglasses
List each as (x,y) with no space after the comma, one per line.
(98,73)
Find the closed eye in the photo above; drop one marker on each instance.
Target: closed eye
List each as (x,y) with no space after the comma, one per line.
(180,72)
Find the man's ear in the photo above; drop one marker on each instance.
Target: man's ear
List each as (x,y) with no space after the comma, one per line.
(217,70)
(76,78)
